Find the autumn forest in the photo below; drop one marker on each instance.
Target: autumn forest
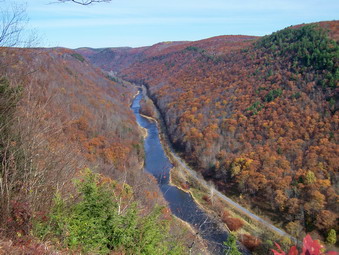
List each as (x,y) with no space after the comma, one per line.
(256,117)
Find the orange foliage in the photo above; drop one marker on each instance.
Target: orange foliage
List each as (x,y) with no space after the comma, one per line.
(216,96)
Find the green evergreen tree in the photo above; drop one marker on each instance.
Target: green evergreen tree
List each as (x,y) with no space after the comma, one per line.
(104,219)
(231,243)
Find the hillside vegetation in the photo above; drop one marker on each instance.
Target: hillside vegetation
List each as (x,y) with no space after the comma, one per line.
(60,115)
(258,116)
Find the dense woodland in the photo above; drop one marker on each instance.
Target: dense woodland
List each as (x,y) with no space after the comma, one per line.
(60,116)
(258,116)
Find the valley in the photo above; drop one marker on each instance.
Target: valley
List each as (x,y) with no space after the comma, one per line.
(181,204)
(175,148)
(256,116)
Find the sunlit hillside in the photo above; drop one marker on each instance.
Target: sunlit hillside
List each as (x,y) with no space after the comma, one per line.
(60,117)
(258,116)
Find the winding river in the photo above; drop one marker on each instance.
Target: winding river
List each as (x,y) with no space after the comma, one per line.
(181,203)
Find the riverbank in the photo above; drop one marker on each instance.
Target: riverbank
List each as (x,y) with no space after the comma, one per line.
(207,199)
(217,205)
(152,144)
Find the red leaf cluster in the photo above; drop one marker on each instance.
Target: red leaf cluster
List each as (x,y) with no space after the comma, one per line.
(310,247)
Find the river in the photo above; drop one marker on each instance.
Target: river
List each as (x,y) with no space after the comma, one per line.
(181,203)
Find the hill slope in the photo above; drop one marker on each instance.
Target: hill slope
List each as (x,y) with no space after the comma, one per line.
(259,116)
(59,115)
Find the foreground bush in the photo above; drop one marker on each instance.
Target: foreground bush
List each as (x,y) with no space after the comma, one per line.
(104,218)
(310,247)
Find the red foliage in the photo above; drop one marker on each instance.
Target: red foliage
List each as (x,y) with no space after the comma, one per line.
(310,247)
(293,251)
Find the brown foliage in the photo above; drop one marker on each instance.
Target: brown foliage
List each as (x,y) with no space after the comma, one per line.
(216,98)
(250,242)
(19,220)
(206,198)
(326,220)
(233,224)
(70,116)
(225,214)
(27,245)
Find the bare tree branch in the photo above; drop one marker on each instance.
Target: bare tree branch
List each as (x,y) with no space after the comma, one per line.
(12,22)
(85,2)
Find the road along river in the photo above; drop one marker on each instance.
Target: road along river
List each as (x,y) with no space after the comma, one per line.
(181,203)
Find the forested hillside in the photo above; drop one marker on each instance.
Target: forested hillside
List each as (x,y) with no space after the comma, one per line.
(60,116)
(107,58)
(258,116)
(116,59)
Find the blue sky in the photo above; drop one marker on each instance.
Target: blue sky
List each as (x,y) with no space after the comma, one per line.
(145,22)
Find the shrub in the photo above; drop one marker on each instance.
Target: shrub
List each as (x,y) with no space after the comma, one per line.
(332,237)
(206,198)
(310,247)
(234,223)
(18,222)
(232,247)
(250,242)
(105,219)
(225,214)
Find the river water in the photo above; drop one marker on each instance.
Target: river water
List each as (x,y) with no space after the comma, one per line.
(181,203)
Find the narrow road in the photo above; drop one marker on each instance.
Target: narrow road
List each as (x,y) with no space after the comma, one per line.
(228,200)
(181,203)
(217,193)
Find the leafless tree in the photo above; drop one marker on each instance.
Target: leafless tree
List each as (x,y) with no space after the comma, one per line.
(12,22)
(85,2)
